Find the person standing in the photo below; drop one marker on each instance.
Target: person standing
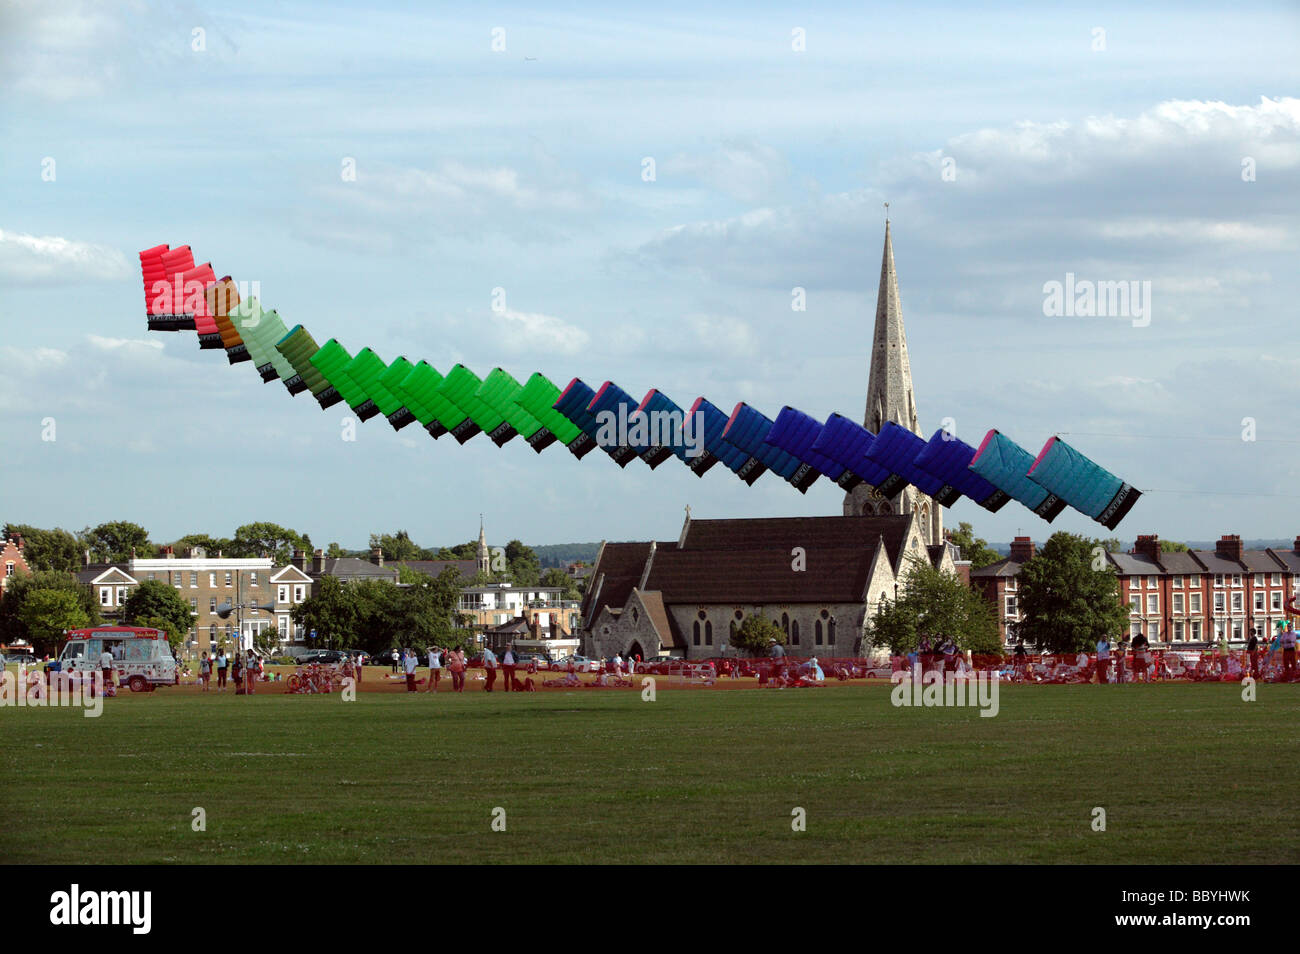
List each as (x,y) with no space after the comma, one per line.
(222,664)
(1121,658)
(250,672)
(456,663)
(508,666)
(1140,673)
(1288,654)
(435,669)
(1252,650)
(205,671)
(106,665)
(1103,661)
(237,673)
(490,664)
(1020,657)
(409,662)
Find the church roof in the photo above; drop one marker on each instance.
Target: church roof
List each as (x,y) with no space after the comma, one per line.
(833,575)
(811,533)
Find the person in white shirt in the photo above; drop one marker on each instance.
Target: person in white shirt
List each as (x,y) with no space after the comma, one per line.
(409,662)
(508,666)
(618,665)
(435,669)
(490,664)
(1103,660)
(106,664)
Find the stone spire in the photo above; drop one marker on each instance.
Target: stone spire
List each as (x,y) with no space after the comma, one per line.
(890,398)
(484,558)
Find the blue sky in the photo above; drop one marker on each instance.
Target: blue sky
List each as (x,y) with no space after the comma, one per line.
(522,170)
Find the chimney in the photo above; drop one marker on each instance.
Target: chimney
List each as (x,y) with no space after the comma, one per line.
(88,552)
(536,626)
(377,556)
(300,559)
(1229,546)
(17,541)
(1296,546)
(1148,544)
(318,562)
(169,553)
(1022,549)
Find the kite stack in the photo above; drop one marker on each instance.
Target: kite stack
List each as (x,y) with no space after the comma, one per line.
(797,447)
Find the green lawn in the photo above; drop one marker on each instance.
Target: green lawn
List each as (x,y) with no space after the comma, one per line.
(1186,773)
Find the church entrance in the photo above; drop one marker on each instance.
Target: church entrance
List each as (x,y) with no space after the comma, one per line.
(635,650)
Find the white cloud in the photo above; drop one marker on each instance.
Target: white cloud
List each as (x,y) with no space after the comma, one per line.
(40,259)
(532,331)
(748,171)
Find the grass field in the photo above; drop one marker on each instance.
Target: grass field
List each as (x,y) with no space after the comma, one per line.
(1186,773)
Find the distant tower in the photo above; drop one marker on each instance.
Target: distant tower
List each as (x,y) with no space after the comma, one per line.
(890,398)
(484,558)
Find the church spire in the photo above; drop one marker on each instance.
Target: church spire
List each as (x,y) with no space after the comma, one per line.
(889,386)
(484,558)
(890,398)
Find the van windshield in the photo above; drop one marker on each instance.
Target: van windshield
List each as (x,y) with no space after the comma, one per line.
(73,650)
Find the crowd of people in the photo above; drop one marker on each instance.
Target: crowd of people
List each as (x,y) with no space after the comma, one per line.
(242,669)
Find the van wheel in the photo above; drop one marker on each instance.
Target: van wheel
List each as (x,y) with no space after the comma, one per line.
(137,684)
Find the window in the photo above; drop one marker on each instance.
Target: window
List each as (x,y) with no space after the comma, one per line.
(1218,579)
(1135,605)
(1236,579)
(1011,584)
(1152,582)
(121,596)
(178,579)
(1135,629)
(1153,604)
(9,568)
(1011,605)
(1153,631)
(1238,602)
(830,632)
(212,604)
(1236,629)
(1195,603)
(1194,580)
(105,596)
(1135,583)
(1275,579)
(696,632)
(227,578)
(1178,632)
(1178,604)
(1177,582)
(298,593)
(282,594)
(794,632)
(1259,602)
(1196,630)
(194,580)
(1259,579)
(1220,604)
(708,632)
(785,624)
(1275,602)
(817,632)
(194,605)
(252,578)
(212,580)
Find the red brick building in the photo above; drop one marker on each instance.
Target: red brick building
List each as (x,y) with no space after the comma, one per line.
(1175,598)
(11,561)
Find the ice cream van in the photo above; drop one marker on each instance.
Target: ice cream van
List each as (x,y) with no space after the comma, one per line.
(142,658)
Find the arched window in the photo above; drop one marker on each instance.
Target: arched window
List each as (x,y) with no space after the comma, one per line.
(830,632)
(794,632)
(708,632)
(785,623)
(697,632)
(817,632)
(636,616)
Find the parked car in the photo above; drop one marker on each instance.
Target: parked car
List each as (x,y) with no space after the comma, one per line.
(386,658)
(326,656)
(580,664)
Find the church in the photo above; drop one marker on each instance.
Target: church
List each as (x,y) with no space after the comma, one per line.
(819,578)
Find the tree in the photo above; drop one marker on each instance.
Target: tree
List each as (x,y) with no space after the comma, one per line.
(464,551)
(55,549)
(116,541)
(277,542)
(1065,604)
(525,568)
(937,605)
(48,614)
(154,603)
(756,633)
(557,577)
(267,641)
(210,544)
(1112,545)
(396,546)
(22,587)
(331,611)
(1173,546)
(973,548)
(335,552)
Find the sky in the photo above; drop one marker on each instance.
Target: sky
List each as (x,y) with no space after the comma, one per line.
(502,153)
